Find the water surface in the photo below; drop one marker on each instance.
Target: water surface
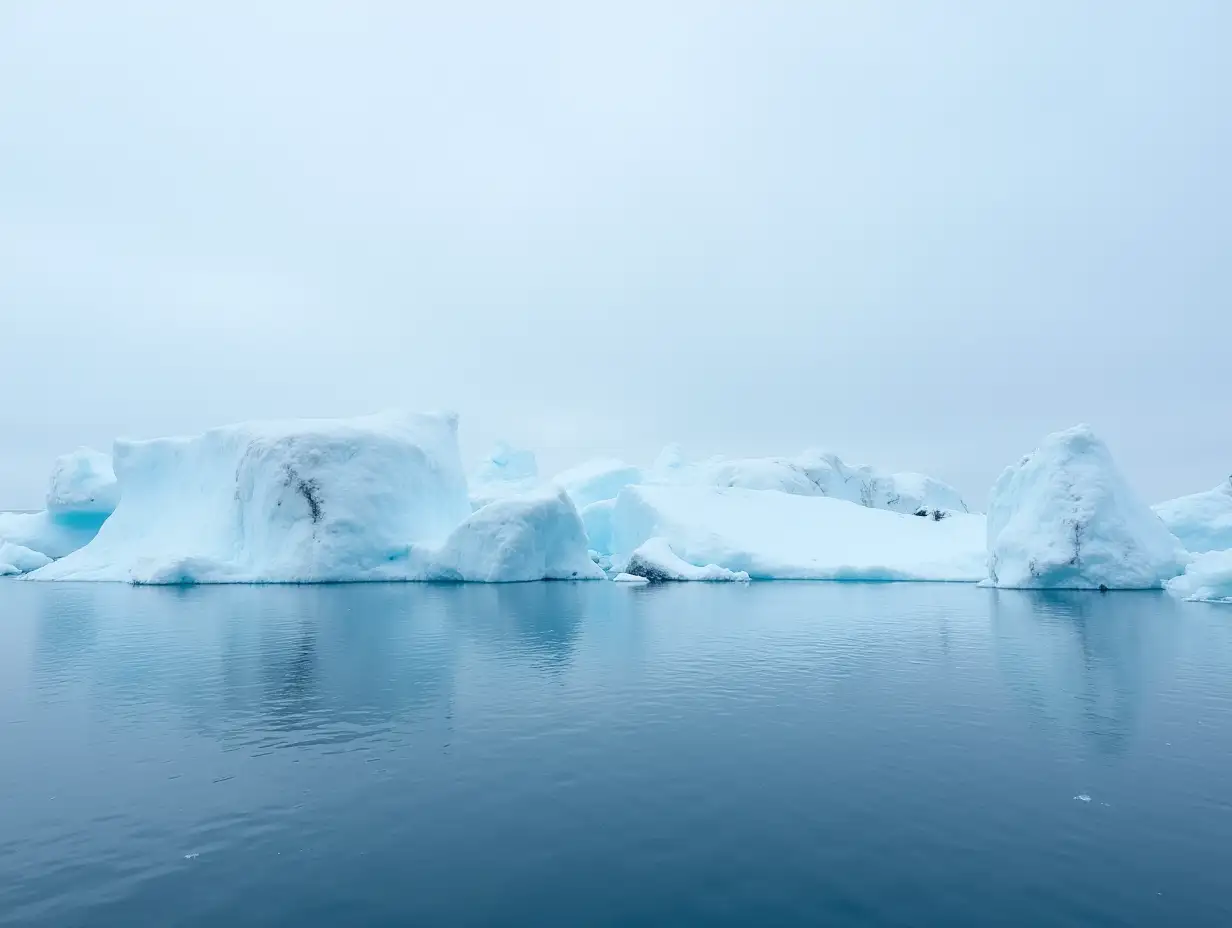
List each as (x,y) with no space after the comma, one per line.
(594,754)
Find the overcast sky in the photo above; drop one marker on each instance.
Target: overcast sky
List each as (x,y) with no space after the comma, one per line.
(919,234)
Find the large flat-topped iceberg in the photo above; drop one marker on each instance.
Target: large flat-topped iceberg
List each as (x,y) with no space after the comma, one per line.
(299,501)
(1202,521)
(1064,518)
(770,535)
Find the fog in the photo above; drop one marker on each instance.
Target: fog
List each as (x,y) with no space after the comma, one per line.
(920,235)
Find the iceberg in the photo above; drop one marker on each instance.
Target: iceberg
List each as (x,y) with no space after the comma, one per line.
(654,561)
(506,471)
(812,473)
(596,480)
(1064,518)
(1202,521)
(772,535)
(299,501)
(1208,578)
(18,559)
(535,536)
(82,492)
(83,485)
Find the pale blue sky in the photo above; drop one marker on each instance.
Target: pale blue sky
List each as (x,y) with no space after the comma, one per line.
(920,234)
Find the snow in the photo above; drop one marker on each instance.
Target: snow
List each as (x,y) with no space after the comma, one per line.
(298,501)
(655,561)
(597,480)
(812,473)
(1208,578)
(771,535)
(1202,521)
(18,559)
(81,494)
(536,536)
(1064,518)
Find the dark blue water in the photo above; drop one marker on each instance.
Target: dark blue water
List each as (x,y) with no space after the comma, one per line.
(592,754)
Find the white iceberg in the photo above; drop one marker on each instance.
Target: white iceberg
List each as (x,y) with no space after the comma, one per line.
(597,520)
(596,480)
(300,501)
(1208,578)
(506,471)
(769,535)
(1064,518)
(1202,521)
(536,536)
(81,494)
(655,561)
(18,559)
(83,484)
(812,473)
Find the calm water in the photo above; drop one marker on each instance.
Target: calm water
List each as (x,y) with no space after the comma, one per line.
(592,754)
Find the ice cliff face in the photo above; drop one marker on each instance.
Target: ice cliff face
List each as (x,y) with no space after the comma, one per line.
(1064,518)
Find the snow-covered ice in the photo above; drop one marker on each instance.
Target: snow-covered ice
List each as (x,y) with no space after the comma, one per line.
(298,501)
(1208,578)
(655,561)
(598,479)
(81,494)
(769,535)
(536,536)
(812,473)
(83,484)
(1202,521)
(506,471)
(1064,518)
(18,559)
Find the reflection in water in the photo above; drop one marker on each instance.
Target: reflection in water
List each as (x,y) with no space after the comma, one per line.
(1082,661)
(561,754)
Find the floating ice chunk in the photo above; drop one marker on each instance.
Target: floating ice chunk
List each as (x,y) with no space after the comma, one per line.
(597,480)
(1202,521)
(629,578)
(656,561)
(537,536)
(772,535)
(299,501)
(18,559)
(1064,518)
(1208,578)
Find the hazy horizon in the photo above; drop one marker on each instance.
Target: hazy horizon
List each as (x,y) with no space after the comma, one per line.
(919,237)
